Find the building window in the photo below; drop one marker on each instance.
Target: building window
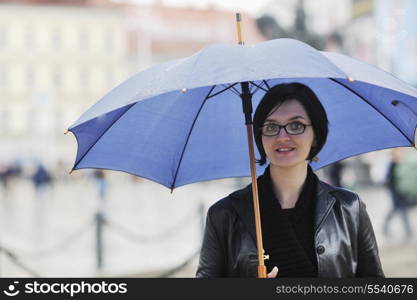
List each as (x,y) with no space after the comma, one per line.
(56,38)
(84,78)
(110,74)
(57,78)
(4,76)
(30,77)
(30,39)
(4,121)
(108,40)
(3,38)
(60,123)
(84,40)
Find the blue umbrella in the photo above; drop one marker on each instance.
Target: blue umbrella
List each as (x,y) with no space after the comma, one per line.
(181,122)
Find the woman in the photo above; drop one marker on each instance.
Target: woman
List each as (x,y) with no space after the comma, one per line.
(309,228)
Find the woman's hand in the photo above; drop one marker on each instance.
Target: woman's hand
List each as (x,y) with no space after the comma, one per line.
(273,273)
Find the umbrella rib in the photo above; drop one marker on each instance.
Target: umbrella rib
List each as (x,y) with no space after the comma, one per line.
(188,137)
(233,89)
(225,89)
(258,87)
(266,83)
(371,105)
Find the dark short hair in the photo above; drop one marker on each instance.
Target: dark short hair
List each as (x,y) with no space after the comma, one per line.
(307,98)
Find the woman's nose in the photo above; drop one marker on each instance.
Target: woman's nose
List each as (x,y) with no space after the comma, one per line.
(282,135)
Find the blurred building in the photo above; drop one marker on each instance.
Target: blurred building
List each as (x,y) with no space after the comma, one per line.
(396,37)
(384,33)
(159,33)
(57,58)
(359,31)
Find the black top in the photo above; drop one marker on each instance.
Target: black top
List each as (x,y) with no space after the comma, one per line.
(288,234)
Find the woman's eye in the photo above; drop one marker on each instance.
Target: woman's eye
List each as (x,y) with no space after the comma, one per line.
(296,125)
(270,127)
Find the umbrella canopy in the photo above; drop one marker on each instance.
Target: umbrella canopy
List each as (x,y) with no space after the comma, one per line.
(182,122)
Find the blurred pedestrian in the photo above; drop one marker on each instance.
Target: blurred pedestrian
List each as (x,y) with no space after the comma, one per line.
(4,176)
(41,179)
(9,171)
(399,205)
(101,183)
(4,183)
(334,173)
(406,174)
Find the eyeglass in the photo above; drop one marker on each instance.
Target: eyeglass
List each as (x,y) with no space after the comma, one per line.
(293,128)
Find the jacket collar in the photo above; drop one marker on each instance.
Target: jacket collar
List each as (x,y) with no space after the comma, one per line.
(243,204)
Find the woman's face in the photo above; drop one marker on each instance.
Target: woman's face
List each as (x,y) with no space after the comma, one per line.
(285,150)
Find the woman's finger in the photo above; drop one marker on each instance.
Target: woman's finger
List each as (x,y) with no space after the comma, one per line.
(273,273)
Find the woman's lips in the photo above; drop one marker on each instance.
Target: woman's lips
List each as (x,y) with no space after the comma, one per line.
(284,149)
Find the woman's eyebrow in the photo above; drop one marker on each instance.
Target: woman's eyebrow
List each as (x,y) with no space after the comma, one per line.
(290,119)
(296,117)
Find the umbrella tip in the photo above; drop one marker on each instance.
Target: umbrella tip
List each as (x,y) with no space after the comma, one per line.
(70,172)
(184,90)
(66,131)
(351,79)
(238,17)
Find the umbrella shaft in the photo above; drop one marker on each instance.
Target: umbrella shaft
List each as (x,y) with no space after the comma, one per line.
(261,265)
(247,110)
(246,102)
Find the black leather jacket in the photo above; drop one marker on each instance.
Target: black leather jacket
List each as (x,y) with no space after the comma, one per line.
(344,238)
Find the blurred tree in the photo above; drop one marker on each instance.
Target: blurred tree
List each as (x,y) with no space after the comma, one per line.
(271,29)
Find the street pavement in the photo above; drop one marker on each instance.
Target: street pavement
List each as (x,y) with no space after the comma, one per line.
(149,231)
